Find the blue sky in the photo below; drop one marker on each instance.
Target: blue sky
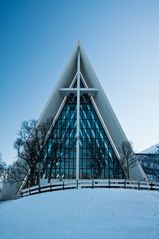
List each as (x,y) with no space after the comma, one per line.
(121,39)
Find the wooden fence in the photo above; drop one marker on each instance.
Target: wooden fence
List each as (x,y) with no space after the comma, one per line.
(99,183)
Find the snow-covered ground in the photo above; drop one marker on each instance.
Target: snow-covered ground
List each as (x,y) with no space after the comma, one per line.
(82,214)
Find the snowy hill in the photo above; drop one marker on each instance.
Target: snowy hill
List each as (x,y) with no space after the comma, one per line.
(151,150)
(82,214)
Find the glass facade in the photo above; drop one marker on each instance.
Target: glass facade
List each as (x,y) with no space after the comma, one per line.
(97,157)
(60,150)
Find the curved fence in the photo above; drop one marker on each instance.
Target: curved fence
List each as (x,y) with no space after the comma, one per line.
(99,183)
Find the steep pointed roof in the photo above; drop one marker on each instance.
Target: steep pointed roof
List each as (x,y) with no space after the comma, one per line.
(108,118)
(111,122)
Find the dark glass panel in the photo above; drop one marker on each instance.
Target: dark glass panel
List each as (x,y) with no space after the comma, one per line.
(97,157)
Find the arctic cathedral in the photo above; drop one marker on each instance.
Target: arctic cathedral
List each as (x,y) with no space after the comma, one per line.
(84,128)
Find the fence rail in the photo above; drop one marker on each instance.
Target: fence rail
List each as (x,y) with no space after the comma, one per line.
(94,183)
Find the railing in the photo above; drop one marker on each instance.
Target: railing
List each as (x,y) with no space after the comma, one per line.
(93,183)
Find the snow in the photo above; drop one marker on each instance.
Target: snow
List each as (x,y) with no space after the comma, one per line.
(82,214)
(151,150)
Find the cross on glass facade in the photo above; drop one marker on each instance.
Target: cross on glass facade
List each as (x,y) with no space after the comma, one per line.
(78,147)
(97,158)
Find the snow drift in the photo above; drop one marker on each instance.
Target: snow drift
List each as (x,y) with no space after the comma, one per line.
(86,214)
(152,150)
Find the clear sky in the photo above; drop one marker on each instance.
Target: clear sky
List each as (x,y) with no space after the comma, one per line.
(121,39)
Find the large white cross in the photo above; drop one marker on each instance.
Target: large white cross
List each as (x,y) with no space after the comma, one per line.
(78,91)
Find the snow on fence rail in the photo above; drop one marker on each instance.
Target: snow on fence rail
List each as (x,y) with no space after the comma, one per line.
(94,183)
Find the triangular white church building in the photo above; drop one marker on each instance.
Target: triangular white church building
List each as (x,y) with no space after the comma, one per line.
(85,129)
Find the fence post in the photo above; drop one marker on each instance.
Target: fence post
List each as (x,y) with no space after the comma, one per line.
(39,188)
(151,186)
(109,183)
(76,184)
(138,185)
(63,185)
(125,183)
(92,183)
